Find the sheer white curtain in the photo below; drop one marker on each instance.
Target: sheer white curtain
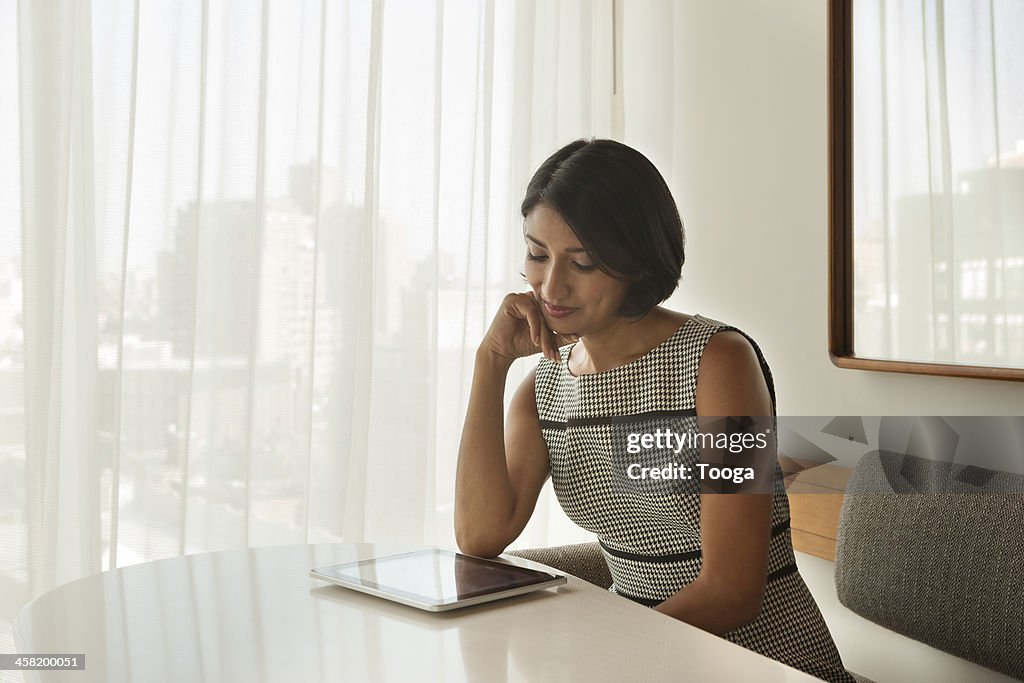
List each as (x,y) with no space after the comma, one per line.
(939,164)
(246,252)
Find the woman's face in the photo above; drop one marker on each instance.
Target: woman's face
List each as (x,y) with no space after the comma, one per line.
(576,296)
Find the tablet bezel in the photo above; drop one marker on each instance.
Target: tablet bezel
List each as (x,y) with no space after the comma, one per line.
(429,603)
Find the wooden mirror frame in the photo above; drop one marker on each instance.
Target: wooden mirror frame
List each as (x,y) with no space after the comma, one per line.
(840,208)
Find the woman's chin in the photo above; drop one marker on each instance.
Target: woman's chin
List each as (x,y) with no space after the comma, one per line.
(565,332)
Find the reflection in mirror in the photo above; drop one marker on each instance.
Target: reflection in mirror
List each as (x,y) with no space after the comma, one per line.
(936,187)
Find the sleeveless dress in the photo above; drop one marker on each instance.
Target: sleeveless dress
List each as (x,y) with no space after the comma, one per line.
(652,544)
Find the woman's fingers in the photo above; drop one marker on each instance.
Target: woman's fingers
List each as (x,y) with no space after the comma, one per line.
(553,336)
(546,341)
(538,330)
(526,307)
(548,344)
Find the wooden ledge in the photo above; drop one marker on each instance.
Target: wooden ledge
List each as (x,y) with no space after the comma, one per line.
(815,500)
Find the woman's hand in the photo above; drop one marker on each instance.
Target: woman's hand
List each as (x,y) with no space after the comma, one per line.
(519,329)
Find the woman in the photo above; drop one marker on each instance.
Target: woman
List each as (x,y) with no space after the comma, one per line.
(604,247)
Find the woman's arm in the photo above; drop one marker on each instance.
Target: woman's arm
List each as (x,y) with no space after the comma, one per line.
(502,467)
(735,527)
(496,485)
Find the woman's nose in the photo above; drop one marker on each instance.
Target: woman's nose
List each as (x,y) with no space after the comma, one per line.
(555,288)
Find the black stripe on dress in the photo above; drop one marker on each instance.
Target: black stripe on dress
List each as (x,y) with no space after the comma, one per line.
(648,602)
(615,419)
(676,557)
(781,572)
(780,527)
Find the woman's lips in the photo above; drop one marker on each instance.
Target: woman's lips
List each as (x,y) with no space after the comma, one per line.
(558,311)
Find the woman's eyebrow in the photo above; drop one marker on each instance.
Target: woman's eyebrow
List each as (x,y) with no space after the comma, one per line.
(570,250)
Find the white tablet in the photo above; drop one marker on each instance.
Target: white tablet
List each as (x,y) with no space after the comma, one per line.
(436,580)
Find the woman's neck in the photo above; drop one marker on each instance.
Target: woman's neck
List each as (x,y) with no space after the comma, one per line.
(624,341)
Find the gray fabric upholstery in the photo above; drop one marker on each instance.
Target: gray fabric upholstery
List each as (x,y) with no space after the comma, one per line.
(582,560)
(935,551)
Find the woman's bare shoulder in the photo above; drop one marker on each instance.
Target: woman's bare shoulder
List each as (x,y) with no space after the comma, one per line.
(730,380)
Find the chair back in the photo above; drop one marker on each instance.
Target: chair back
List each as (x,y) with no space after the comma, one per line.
(582,560)
(935,551)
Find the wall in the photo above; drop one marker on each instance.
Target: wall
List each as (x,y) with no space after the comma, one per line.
(745,151)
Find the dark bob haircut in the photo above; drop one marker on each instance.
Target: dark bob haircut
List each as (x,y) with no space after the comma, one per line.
(622,212)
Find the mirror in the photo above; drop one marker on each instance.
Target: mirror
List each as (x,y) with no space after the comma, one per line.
(926,186)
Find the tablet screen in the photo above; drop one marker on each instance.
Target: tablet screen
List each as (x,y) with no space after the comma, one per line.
(435,576)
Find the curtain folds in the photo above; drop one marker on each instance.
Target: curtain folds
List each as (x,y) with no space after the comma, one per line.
(938,165)
(247,252)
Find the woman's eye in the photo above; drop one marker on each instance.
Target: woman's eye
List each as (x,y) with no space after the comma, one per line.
(582,267)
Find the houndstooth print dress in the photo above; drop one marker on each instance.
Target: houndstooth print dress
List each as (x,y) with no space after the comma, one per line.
(652,543)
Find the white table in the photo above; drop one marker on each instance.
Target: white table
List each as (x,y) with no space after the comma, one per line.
(256,615)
